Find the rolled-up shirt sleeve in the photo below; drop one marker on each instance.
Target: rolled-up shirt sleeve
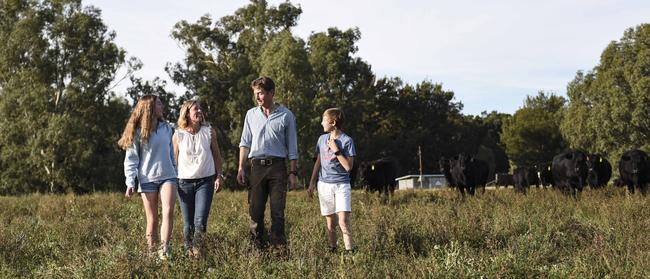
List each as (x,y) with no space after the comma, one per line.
(292,138)
(131,164)
(246,134)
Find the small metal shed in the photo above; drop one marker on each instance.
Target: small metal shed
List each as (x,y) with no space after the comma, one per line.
(425,181)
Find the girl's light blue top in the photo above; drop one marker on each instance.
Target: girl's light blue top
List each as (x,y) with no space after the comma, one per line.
(151,161)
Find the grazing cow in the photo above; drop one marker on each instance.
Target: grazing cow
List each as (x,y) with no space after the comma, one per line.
(445,168)
(380,175)
(504,179)
(634,169)
(544,175)
(482,172)
(570,172)
(467,174)
(599,171)
(523,178)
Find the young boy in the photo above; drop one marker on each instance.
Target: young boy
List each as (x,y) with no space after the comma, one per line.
(332,169)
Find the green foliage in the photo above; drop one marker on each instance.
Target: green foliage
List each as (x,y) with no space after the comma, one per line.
(493,123)
(385,117)
(500,234)
(57,119)
(223,58)
(285,59)
(609,109)
(548,102)
(60,120)
(532,135)
(406,117)
(341,80)
(140,87)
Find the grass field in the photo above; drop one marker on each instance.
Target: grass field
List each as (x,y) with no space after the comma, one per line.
(415,234)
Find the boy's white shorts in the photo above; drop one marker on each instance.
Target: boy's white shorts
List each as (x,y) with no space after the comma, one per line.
(334,197)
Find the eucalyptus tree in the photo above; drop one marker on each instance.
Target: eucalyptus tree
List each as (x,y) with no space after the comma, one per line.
(58,119)
(609,106)
(222,57)
(533,135)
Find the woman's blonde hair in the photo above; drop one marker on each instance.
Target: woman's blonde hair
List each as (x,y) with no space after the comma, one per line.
(142,116)
(184,117)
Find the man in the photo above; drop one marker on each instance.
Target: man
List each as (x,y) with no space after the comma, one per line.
(268,140)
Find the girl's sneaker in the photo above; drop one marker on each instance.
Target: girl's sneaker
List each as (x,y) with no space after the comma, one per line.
(195,253)
(164,253)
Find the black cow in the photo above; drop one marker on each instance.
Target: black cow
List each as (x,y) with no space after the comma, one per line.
(634,169)
(570,172)
(544,175)
(445,168)
(599,171)
(504,179)
(482,172)
(523,178)
(380,175)
(467,173)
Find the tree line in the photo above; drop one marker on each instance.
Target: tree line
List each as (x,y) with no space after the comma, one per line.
(607,111)
(60,116)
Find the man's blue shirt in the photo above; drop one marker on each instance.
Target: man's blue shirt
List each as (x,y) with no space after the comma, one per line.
(274,136)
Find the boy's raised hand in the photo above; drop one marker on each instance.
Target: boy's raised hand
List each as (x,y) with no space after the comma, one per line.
(331,143)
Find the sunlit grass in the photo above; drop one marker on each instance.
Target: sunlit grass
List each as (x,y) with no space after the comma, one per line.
(414,234)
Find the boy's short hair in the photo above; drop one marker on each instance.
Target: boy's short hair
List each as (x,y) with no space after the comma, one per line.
(263,82)
(335,114)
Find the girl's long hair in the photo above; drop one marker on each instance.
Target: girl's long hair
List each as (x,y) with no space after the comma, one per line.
(142,116)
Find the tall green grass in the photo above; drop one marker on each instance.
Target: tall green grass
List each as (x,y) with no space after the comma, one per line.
(414,234)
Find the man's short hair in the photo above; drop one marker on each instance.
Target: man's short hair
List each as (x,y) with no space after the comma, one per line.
(335,114)
(263,82)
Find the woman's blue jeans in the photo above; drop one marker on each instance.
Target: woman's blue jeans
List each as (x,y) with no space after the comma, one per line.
(196,199)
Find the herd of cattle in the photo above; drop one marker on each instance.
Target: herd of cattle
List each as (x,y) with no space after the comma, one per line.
(570,172)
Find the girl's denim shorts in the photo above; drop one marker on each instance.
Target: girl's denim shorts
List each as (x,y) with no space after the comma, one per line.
(154,186)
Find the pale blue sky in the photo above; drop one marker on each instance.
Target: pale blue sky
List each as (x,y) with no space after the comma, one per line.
(490,53)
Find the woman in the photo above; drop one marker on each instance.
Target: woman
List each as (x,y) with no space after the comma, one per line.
(149,159)
(199,172)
